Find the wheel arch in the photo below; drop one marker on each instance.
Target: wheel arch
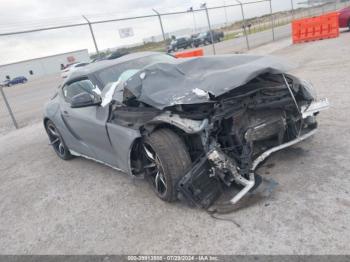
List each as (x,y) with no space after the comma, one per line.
(193,142)
(45,120)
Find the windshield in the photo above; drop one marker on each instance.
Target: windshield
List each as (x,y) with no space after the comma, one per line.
(114,78)
(115,89)
(112,74)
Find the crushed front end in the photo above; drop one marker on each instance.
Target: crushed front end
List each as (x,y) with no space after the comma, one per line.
(240,129)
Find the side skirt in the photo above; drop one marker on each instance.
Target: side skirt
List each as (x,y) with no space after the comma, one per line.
(96,160)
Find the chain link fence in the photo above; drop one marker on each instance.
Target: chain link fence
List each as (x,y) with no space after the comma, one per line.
(245,26)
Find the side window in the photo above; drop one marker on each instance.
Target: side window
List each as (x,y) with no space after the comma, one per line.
(76,88)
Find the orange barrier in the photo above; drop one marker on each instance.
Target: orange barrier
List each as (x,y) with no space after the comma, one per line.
(315,28)
(192,53)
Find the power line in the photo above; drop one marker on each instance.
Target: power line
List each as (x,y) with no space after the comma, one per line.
(52,27)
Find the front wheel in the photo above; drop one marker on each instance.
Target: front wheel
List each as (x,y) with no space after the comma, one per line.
(166,161)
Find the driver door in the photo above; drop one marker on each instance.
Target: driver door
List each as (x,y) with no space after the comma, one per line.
(87,124)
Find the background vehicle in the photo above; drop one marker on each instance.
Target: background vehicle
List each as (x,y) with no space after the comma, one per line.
(205,38)
(15,81)
(115,54)
(344,18)
(71,68)
(180,43)
(4,83)
(118,53)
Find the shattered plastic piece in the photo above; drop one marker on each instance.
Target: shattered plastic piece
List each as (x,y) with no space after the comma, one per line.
(254,197)
(97,91)
(108,96)
(110,92)
(143,75)
(200,93)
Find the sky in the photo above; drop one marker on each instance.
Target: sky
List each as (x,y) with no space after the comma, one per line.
(19,15)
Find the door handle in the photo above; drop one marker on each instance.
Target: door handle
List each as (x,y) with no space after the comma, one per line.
(65,113)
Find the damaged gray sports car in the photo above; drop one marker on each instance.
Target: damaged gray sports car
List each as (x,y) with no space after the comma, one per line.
(191,127)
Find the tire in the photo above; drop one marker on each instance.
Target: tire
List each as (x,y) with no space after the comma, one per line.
(172,160)
(57,142)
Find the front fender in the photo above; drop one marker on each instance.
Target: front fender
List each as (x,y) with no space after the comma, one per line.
(189,126)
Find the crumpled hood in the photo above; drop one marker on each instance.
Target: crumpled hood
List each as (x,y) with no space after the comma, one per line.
(188,81)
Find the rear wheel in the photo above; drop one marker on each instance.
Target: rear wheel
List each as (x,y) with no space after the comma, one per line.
(166,161)
(57,142)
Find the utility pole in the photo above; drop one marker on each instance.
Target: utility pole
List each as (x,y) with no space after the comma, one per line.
(272,22)
(93,35)
(194,19)
(244,25)
(226,20)
(204,5)
(161,25)
(292,4)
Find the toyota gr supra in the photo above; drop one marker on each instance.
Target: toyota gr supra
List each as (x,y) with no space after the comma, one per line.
(191,127)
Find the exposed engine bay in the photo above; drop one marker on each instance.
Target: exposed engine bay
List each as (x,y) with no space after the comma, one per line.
(227,136)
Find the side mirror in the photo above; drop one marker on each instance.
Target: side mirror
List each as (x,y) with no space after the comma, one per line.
(84,100)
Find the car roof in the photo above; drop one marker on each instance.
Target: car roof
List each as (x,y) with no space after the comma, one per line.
(100,65)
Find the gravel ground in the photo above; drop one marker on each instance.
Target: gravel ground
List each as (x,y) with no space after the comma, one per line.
(50,206)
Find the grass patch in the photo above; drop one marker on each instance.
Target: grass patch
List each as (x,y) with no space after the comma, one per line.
(229,36)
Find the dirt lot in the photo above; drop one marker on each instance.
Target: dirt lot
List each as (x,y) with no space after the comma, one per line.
(49,206)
